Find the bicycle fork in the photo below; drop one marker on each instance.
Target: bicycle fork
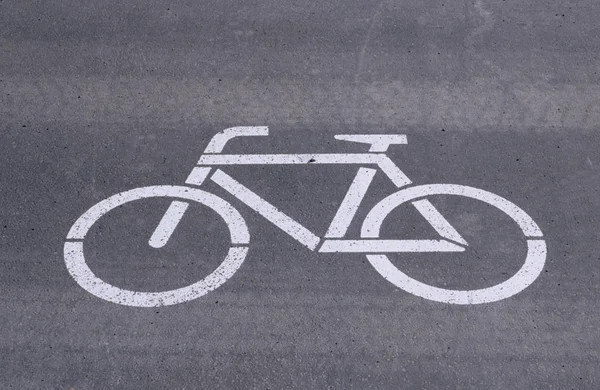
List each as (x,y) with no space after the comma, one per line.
(176,210)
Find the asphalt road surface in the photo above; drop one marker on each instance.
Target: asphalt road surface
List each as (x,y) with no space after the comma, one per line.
(100,97)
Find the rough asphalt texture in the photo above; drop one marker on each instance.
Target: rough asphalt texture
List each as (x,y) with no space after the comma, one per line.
(100,97)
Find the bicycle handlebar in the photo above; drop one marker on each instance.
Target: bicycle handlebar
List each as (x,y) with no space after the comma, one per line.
(219,140)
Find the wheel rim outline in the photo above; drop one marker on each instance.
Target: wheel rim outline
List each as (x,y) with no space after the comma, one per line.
(84,276)
(527,274)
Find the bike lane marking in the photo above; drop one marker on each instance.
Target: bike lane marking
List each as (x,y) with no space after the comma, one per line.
(401,246)
(175,212)
(85,277)
(167,224)
(437,220)
(267,210)
(527,274)
(239,232)
(378,142)
(387,166)
(349,206)
(534,264)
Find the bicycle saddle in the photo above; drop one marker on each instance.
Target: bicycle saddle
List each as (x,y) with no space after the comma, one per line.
(378,142)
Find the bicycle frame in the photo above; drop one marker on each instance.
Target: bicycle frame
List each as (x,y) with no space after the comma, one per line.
(333,240)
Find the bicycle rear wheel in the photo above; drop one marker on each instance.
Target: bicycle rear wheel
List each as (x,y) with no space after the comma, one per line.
(84,276)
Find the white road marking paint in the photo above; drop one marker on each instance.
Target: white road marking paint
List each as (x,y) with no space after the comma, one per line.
(83,275)
(389,246)
(167,224)
(267,210)
(345,214)
(197,176)
(218,141)
(239,235)
(288,159)
(534,263)
(393,172)
(237,227)
(375,217)
(378,142)
(439,223)
(386,165)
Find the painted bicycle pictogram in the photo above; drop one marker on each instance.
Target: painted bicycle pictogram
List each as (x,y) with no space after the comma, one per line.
(212,165)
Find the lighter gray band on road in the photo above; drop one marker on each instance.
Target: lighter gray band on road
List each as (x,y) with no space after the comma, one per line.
(464,106)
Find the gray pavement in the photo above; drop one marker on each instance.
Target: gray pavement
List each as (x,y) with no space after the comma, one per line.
(101,97)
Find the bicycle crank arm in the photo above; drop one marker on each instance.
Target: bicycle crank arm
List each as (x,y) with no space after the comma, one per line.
(389,246)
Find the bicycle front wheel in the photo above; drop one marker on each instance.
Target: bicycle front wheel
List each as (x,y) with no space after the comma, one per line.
(83,275)
(525,276)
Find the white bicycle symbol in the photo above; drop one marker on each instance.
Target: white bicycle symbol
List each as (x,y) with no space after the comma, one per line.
(333,241)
